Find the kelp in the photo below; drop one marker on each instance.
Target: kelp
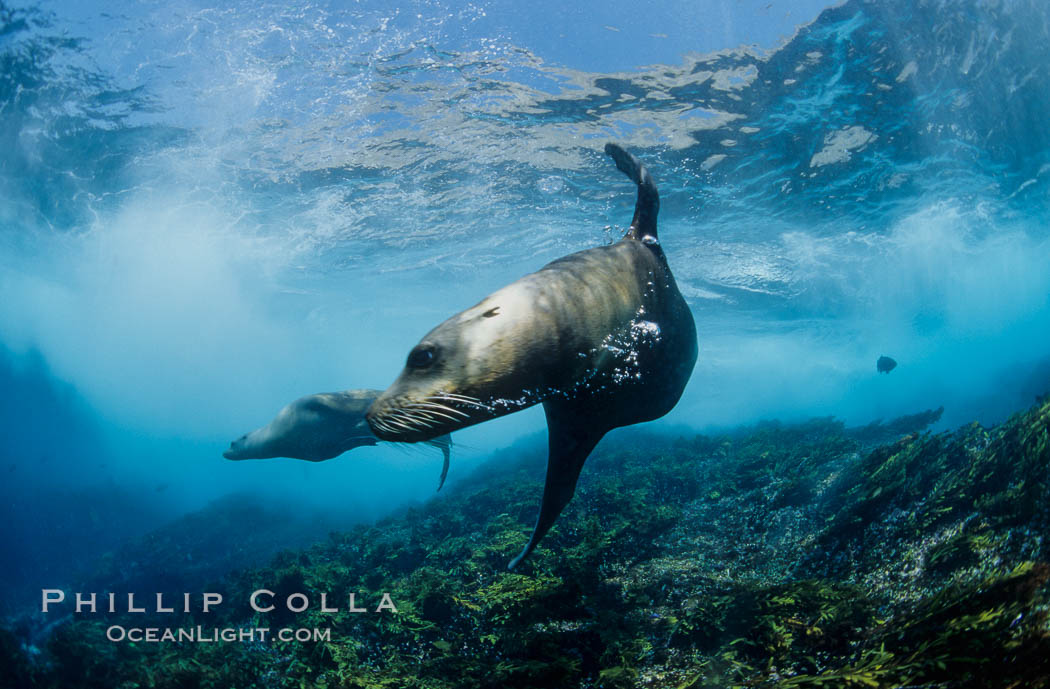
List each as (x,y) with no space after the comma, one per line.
(776,556)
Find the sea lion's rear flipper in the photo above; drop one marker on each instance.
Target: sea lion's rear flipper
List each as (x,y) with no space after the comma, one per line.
(647,207)
(569,444)
(443,443)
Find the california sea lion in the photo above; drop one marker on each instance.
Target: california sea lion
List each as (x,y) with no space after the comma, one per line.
(320,427)
(602,337)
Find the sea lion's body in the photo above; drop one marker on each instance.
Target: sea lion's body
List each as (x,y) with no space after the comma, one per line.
(602,337)
(319,427)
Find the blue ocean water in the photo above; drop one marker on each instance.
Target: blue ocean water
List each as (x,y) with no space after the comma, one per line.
(206,212)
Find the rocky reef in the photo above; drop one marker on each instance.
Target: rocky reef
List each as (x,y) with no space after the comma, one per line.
(780,556)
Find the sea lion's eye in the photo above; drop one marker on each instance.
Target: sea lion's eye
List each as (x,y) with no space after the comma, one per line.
(422,356)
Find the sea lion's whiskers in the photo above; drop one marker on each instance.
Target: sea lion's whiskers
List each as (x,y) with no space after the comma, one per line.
(449,407)
(394,422)
(457,396)
(421,422)
(469,401)
(444,408)
(430,416)
(430,406)
(430,413)
(399,417)
(436,414)
(421,414)
(412,418)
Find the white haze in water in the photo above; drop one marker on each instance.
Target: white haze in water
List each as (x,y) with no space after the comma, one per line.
(181,334)
(962,305)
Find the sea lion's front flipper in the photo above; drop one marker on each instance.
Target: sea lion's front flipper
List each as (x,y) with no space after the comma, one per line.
(443,443)
(569,443)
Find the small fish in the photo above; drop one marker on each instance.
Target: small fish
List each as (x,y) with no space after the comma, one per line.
(885,364)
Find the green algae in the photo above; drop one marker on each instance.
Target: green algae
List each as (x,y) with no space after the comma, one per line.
(777,556)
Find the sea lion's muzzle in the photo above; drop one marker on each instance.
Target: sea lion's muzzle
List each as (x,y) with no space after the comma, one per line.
(403,419)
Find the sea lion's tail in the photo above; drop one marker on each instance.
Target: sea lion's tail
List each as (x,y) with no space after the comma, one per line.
(648,205)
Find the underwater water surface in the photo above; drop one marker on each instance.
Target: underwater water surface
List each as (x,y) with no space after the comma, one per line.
(209,211)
